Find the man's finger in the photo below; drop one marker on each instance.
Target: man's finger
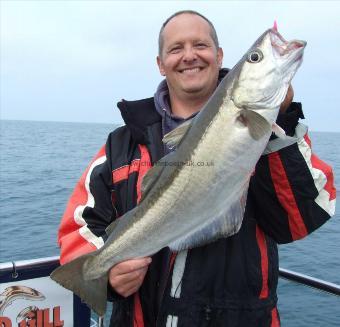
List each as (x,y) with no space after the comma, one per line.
(121,279)
(126,289)
(131,265)
(131,291)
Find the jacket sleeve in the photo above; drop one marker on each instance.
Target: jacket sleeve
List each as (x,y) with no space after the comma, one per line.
(294,190)
(89,211)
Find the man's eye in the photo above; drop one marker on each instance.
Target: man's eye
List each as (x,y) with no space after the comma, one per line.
(200,46)
(175,50)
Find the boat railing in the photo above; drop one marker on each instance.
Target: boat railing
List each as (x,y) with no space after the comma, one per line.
(28,294)
(306,280)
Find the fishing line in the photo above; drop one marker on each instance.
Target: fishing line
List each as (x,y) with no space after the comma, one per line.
(178,286)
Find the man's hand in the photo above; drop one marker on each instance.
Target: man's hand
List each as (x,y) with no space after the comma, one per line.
(127,277)
(288,99)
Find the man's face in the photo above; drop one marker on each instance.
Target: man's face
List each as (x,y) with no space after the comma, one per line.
(189,59)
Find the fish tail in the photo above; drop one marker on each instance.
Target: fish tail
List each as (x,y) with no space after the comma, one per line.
(93,292)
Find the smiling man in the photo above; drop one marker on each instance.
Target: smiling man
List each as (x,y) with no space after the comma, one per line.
(190,58)
(231,282)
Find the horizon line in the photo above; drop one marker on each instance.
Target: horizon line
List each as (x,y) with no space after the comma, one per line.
(118,123)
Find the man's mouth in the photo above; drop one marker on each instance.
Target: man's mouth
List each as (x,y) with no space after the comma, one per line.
(191,70)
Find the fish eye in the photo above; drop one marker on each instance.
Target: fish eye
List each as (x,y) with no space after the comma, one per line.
(255,56)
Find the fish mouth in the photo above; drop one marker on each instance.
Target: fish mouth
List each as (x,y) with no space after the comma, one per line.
(289,54)
(284,48)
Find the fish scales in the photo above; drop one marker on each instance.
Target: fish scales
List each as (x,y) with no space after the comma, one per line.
(187,205)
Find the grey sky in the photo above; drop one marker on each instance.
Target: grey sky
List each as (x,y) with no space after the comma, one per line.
(74,60)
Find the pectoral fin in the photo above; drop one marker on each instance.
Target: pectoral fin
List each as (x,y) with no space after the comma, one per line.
(111,227)
(258,126)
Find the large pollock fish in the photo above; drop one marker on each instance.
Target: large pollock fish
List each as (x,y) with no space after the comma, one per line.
(185,204)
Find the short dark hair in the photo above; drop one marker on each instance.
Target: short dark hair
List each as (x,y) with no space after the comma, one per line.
(213,33)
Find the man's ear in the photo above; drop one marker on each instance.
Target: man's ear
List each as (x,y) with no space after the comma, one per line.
(220,57)
(160,66)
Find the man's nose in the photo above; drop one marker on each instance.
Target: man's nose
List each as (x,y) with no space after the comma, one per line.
(189,54)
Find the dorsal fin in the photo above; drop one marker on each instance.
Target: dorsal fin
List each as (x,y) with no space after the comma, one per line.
(150,178)
(173,138)
(111,227)
(153,175)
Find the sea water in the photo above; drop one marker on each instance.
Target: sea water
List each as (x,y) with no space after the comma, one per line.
(40,162)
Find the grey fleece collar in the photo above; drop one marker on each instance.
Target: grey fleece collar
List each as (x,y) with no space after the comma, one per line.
(162,104)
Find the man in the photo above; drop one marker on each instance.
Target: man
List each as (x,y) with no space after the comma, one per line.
(230,282)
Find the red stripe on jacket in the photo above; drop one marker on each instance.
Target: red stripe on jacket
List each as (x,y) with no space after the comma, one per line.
(144,164)
(307,139)
(262,244)
(286,197)
(123,173)
(72,244)
(138,320)
(275,318)
(326,169)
